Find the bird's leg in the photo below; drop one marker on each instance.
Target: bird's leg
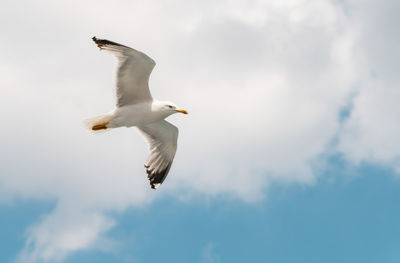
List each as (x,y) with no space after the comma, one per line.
(100,126)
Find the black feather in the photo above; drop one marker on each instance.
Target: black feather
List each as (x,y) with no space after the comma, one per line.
(157,177)
(103,42)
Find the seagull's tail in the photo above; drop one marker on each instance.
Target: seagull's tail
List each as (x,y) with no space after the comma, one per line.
(98,123)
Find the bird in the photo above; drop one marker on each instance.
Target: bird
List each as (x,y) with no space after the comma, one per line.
(135,107)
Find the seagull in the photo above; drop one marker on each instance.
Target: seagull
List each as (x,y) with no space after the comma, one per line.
(135,107)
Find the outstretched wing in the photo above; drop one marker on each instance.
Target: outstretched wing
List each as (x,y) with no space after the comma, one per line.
(162,137)
(134,69)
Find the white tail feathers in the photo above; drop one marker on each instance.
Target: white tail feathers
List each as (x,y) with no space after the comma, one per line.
(98,123)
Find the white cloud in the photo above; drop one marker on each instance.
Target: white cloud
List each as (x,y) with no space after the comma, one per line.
(370,132)
(264,82)
(65,230)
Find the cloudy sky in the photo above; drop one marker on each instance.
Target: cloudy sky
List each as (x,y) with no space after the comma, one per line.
(289,153)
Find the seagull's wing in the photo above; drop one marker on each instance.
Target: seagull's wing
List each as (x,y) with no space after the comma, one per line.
(162,137)
(134,68)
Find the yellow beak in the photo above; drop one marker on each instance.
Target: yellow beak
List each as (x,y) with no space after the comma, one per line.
(182,111)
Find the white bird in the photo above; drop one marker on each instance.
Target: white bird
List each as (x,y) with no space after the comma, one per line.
(136,107)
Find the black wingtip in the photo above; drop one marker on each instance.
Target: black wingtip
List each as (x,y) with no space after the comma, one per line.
(103,42)
(98,42)
(149,176)
(157,178)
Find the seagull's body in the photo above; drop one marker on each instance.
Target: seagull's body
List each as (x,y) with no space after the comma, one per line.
(137,115)
(136,107)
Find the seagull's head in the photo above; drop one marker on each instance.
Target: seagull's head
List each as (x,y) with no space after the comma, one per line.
(170,108)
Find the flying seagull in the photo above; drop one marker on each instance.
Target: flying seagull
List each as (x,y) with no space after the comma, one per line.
(136,107)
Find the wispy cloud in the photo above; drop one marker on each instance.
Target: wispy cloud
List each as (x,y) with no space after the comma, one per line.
(64,231)
(209,254)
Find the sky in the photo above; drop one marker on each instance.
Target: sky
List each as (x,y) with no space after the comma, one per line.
(289,152)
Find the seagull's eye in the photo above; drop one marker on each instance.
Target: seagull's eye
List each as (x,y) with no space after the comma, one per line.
(169,106)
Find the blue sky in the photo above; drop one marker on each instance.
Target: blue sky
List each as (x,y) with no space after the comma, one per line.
(344,219)
(289,153)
